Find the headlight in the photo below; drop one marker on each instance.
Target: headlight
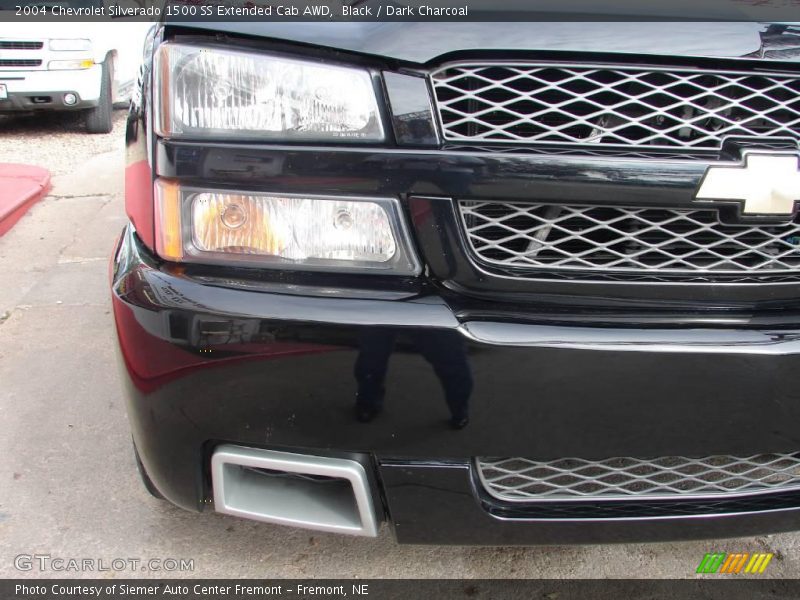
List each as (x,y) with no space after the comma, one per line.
(68,65)
(70,45)
(244,95)
(282,230)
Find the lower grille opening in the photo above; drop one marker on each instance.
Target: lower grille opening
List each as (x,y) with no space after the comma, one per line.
(626,487)
(667,477)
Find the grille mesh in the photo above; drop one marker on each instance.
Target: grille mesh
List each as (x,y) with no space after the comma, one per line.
(9,62)
(522,479)
(605,239)
(13,45)
(620,106)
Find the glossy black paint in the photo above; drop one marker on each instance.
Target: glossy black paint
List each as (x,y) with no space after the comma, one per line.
(544,368)
(456,173)
(206,364)
(411,110)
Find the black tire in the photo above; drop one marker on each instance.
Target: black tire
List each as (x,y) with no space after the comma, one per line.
(99,119)
(148,484)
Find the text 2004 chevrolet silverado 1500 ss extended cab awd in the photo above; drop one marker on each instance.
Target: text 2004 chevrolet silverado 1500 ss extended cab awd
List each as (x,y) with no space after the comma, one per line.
(491,283)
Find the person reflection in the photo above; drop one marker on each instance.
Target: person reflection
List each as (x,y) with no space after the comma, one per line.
(443,349)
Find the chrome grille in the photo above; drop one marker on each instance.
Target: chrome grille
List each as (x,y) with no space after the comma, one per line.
(626,240)
(613,105)
(668,477)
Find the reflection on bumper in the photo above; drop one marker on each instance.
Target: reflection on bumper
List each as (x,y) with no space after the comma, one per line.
(207,364)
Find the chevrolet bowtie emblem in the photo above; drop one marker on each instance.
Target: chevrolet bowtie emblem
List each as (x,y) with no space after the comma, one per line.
(769,184)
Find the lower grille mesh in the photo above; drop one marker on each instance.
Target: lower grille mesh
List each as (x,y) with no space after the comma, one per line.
(634,240)
(668,477)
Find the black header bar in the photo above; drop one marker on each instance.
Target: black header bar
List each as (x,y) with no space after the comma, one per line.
(40,11)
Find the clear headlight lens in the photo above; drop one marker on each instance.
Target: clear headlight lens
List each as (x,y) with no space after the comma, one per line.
(292,228)
(225,93)
(282,230)
(69,45)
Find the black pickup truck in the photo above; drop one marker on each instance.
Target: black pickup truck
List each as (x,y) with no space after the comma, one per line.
(491,283)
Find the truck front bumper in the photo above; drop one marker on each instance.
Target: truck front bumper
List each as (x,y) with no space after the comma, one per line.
(45,90)
(210,361)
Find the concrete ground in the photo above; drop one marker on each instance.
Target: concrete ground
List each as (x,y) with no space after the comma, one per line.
(68,483)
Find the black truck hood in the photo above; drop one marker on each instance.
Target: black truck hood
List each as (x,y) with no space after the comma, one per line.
(422,42)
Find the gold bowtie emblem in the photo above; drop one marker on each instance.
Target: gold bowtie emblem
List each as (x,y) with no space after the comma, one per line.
(769,184)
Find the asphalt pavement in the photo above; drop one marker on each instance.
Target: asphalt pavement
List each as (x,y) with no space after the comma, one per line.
(68,482)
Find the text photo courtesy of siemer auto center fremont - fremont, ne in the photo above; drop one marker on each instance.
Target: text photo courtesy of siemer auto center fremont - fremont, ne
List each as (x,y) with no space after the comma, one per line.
(399,299)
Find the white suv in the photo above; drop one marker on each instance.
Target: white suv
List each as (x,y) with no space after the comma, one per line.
(75,66)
